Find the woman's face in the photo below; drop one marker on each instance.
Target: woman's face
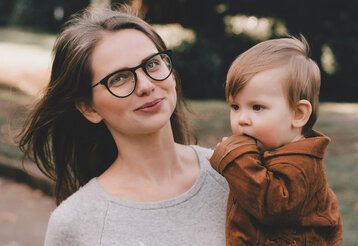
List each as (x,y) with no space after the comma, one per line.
(150,106)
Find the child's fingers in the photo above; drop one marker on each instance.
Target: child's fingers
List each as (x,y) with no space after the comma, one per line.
(222,140)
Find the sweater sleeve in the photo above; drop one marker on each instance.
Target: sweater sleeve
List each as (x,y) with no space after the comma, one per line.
(267,194)
(60,229)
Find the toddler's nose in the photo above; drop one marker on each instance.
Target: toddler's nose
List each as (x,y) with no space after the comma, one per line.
(244,120)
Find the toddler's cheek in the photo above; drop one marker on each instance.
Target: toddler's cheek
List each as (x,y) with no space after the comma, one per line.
(236,131)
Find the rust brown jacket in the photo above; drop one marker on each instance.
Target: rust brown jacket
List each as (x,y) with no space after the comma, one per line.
(281,197)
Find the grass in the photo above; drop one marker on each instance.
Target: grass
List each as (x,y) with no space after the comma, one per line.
(340,122)
(12,110)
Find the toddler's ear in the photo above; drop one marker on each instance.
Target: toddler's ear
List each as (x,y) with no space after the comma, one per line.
(302,113)
(88,112)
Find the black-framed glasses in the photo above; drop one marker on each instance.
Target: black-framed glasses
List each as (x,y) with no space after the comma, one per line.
(122,83)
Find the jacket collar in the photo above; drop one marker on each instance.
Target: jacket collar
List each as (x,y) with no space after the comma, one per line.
(313,145)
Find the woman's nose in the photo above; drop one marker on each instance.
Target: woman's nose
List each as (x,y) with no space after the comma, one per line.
(144,83)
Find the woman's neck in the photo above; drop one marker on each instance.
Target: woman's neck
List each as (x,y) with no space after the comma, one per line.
(153,157)
(151,168)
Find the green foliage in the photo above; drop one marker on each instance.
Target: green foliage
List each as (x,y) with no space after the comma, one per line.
(6,8)
(203,65)
(43,15)
(331,23)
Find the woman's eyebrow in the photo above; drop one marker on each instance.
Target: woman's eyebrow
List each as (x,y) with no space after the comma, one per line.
(141,62)
(125,68)
(148,56)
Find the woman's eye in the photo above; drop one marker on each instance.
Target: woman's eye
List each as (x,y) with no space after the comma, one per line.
(152,64)
(234,107)
(118,79)
(257,107)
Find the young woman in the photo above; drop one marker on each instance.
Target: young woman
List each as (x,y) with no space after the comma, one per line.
(112,121)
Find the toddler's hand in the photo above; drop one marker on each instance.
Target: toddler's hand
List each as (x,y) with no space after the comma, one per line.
(222,140)
(224,150)
(260,146)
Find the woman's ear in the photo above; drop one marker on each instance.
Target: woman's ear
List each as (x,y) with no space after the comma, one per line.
(302,113)
(88,112)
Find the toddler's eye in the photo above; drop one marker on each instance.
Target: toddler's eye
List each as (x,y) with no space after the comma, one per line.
(234,107)
(257,107)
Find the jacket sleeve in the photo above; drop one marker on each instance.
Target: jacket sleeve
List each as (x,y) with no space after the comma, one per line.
(267,194)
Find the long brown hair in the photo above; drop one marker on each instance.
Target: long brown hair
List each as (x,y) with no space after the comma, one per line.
(65,146)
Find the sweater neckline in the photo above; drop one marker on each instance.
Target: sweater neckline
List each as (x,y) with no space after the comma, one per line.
(192,191)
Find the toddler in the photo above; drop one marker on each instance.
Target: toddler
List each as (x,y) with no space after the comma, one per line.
(279,194)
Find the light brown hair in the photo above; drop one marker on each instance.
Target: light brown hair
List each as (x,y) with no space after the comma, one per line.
(65,146)
(303,77)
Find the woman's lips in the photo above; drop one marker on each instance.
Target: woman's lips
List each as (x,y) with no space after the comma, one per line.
(150,107)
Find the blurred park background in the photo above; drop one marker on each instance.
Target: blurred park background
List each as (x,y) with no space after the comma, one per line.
(206,36)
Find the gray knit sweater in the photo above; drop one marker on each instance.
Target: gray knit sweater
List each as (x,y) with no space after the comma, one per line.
(92,217)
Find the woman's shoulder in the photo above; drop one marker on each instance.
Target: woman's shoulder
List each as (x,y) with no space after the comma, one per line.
(192,153)
(202,151)
(84,198)
(203,155)
(195,154)
(79,212)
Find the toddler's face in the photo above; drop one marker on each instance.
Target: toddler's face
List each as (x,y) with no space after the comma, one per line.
(261,111)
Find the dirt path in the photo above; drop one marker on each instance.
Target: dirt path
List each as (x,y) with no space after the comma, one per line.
(24,214)
(24,64)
